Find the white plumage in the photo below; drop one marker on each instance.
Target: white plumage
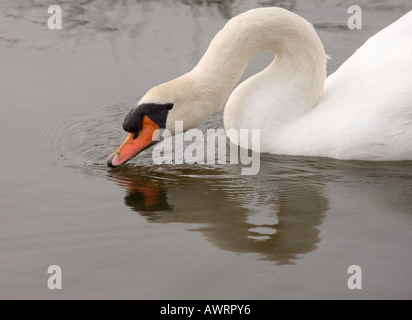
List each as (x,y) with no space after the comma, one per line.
(362,111)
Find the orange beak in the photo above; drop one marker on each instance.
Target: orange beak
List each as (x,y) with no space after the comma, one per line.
(133,144)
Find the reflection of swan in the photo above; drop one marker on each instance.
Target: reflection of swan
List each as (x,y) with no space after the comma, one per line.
(276,219)
(143,195)
(364,112)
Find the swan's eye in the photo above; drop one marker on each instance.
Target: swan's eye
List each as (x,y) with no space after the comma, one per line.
(169,106)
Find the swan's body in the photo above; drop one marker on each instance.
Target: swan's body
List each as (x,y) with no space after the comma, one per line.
(365,111)
(362,111)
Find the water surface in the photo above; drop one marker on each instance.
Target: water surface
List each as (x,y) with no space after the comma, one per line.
(177,231)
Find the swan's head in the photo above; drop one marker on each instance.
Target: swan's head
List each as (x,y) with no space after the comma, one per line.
(160,108)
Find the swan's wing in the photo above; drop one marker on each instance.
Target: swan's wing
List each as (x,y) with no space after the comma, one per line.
(366,108)
(378,76)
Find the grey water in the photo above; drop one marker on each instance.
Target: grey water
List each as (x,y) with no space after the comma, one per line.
(177,231)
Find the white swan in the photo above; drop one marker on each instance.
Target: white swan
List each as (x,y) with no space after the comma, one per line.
(363,111)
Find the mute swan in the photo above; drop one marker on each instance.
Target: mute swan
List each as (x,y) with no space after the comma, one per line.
(362,111)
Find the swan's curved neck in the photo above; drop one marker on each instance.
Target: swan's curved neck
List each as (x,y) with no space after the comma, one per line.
(297,47)
(294,79)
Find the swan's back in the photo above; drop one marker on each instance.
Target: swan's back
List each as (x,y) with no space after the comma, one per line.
(366,108)
(378,73)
